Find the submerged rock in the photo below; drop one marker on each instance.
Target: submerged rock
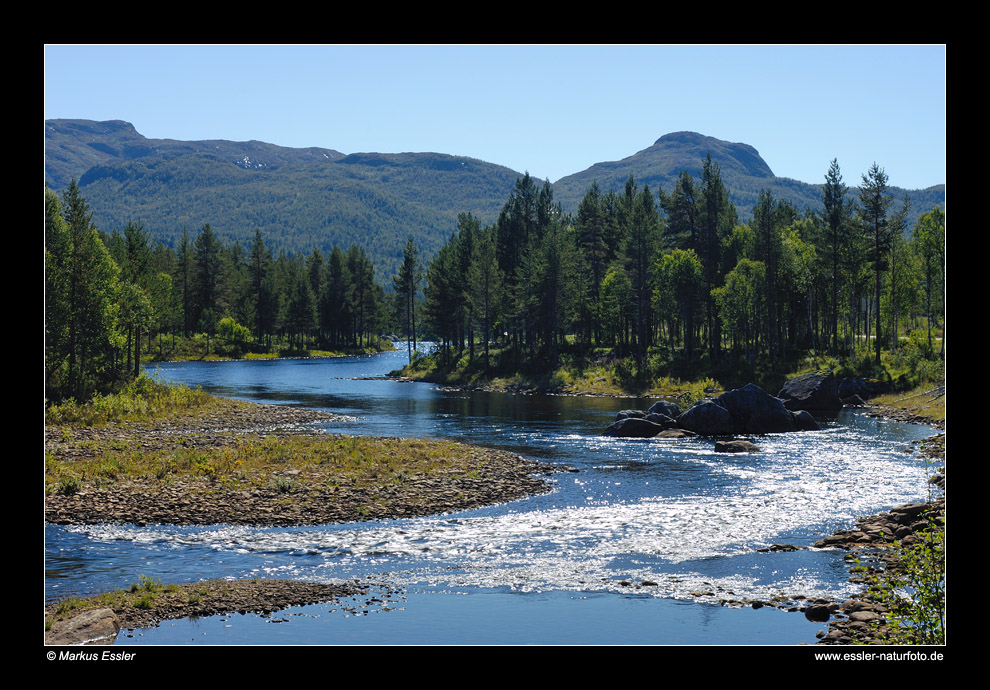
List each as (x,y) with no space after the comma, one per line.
(633,427)
(736,446)
(805,421)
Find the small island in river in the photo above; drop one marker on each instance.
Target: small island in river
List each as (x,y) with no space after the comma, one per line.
(223,461)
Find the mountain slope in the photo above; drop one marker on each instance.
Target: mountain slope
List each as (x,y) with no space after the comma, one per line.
(74,146)
(744,174)
(301,199)
(310,198)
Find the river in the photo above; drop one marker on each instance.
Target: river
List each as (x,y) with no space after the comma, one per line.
(567,567)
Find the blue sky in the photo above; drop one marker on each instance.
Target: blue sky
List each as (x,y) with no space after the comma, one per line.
(550,110)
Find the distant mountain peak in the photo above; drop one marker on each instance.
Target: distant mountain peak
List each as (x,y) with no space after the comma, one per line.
(73,147)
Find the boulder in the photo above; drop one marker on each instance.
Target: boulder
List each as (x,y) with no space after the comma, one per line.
(675,433)
(661,419)
(623,414)
(633,427)
(864,388)
(708,418)
(754,411)
(736,446)
(665,407)
(805,421)
(96,626)
(817,392)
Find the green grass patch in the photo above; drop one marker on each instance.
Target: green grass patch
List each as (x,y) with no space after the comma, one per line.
(141,399)
(262,462)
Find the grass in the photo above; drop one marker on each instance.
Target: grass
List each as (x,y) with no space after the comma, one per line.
(140,595)
(598,372)
(141,399)
(926,401)
(199,347)
(251,461)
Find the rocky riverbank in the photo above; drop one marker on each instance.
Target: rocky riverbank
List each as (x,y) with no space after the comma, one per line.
(861,619)
(307,482)
(306,486)
(99,619)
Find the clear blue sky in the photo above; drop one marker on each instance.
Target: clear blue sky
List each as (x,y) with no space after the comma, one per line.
(549,110)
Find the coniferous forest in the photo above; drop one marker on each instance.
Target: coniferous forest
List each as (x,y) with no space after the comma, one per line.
(673,283)
(657,282)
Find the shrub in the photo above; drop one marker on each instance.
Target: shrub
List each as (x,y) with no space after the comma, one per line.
(912,589)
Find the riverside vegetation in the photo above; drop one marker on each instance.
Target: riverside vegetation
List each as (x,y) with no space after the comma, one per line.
(154,453)
(637,293)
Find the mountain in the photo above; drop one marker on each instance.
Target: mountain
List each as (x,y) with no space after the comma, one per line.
(301,199)
(309,198)
(744,174)
(74,146)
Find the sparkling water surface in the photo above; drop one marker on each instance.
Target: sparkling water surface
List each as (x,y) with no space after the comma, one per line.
(567,567)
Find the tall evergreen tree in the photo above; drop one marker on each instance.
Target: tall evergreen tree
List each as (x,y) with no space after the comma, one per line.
(406,284)
(263,297)
(875,202)
(929,241)
(85,317)
(837,221)
(593,243)
(207,267)
(716,218)
(484,287)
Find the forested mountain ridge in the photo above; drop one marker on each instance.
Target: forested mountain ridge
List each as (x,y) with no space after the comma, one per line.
(74,146)
(300,199)
(309,198)
(744,173)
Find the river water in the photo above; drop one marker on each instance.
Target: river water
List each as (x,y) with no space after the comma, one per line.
(567,567)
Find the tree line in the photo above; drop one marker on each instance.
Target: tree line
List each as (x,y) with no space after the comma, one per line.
(642,271)
(109,297)
(637,272)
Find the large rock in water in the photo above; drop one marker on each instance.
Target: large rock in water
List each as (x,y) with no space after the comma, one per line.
(665,407)
(755,411)
(708,418)
(633,427)
(813,392)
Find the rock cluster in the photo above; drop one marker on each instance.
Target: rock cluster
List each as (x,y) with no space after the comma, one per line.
(746,410)
(859,620)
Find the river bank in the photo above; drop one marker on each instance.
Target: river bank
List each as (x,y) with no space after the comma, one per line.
(251,464)
(99,619)
(804,605)
(307,481)
(863,619)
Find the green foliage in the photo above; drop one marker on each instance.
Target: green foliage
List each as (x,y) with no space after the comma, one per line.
(912,589)
(141,398)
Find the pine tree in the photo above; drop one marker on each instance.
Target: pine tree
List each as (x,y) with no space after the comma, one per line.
(84,318)
(262,287)
(929,243)
(837,223)
(716,218)
(406,284)
(206,255)
(875,202)
(484,287)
